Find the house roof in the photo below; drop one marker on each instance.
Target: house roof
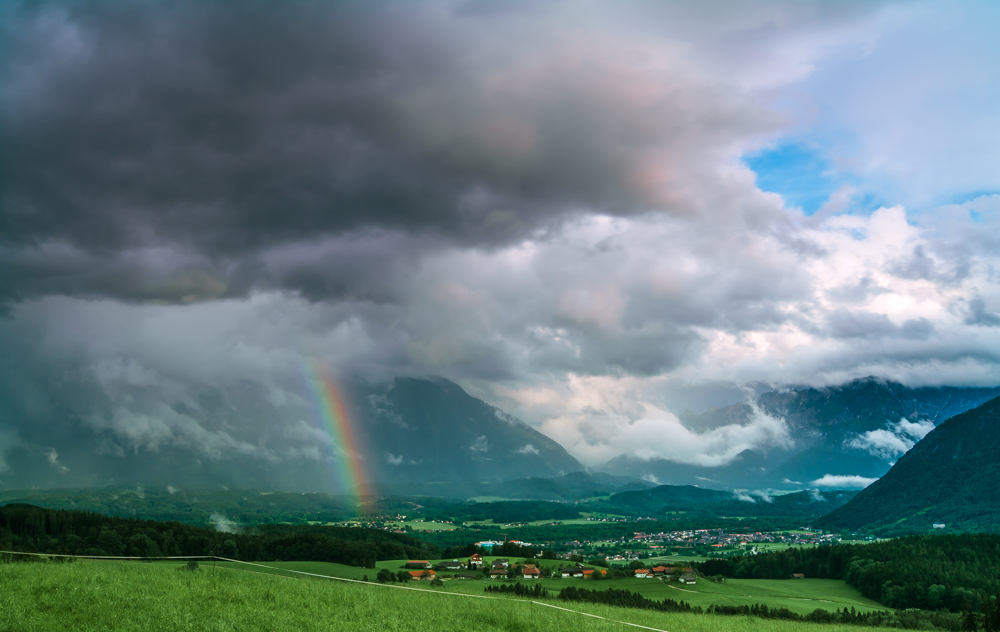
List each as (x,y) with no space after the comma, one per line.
(421,573)
(644,571)
(659,569)
(532,571)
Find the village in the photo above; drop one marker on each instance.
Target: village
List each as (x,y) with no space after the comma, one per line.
(479,568)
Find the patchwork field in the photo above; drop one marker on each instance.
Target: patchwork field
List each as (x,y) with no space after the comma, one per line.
(137,596)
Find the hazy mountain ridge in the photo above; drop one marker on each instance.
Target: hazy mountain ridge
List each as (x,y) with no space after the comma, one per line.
(852,430)
(431,430)
(950,477)
(698,500)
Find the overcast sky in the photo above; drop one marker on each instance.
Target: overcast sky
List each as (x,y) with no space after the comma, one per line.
(593,215)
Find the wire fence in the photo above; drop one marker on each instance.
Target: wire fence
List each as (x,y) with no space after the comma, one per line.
(215,558)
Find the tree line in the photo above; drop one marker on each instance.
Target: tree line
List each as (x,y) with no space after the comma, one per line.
(30,529)
(929,572)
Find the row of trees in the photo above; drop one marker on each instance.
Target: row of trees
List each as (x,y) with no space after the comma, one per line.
(33,529)
(929,572)
(519,590)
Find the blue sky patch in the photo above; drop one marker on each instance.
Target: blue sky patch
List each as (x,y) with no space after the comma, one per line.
(799,173)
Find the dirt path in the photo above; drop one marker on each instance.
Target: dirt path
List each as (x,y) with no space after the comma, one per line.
(676,588)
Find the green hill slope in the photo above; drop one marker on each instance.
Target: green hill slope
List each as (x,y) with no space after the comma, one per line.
(115,596)
(951,477)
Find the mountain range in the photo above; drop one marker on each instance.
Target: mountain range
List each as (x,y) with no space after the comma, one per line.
(951,479)
(839,436)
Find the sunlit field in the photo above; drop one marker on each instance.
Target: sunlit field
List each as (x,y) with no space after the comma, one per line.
(137,596)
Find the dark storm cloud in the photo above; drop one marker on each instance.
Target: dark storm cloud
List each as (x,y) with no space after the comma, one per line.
(543,201)
(218,131)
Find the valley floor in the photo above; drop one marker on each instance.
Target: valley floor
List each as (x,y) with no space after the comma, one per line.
(801,595)
(88,595)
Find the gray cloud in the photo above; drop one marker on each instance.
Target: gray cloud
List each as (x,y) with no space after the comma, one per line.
(152,151)
(543,201)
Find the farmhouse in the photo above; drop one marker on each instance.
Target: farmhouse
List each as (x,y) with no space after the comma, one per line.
(662,570)
(531,573)
(497,573)
(589,573)
(503,561)
(798,576)
(643,572)
(453,565)
(571,572)
(422,575)
(418,564)
(475,561)
(690,578)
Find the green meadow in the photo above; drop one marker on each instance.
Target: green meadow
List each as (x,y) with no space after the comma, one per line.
(800,595)
(87,596)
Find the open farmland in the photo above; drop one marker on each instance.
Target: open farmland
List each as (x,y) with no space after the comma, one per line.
(112,595)
(801,596)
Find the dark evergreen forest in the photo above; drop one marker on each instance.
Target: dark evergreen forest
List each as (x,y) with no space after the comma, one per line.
(30,529)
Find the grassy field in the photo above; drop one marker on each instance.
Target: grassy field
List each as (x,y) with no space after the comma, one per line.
(135,596)
(800,595)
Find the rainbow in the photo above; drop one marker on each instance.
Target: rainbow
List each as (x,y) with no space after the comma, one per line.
(332,416)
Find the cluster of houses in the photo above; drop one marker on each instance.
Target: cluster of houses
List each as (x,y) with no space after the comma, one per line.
(687,577)
(422,570)
(720,539)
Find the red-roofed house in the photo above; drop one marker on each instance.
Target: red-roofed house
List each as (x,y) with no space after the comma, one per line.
(422,575)
(531,573)
(643,572)
(475,561)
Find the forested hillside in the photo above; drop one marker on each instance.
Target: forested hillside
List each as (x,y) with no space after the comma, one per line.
(950,478)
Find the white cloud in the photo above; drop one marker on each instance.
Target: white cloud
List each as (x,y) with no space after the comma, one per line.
(53,458)
(888,443)
(601,421)
(527,449)
(754,496)
(393,459)
(839,481)
(481,444)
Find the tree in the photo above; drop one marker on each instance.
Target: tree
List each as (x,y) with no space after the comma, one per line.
(970,621)
(383,576)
